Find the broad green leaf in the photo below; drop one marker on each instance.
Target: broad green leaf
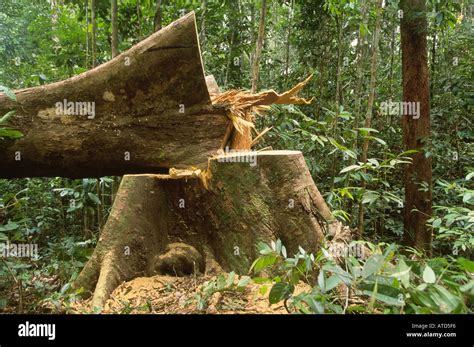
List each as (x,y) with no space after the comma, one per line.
(94,198)
(278,246)
(332,282)
(280,291)
(230,279)
(410,151)
(466,264)
(373,265)
(264,248)
(379,140)
(370,197)
(349,168)
(321,281)
(262,262)
(7,116)
(8,92)
(467,197)
(374,162)
(429,275)
(9,226)
(10,133)
(261,280)
(384,293)
(403,273)
(367,130)
(221,282)
(449,299)
(283,252)
(437,222)
(243,281)
(339,272)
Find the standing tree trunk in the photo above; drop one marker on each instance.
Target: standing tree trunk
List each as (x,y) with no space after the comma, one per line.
(113,11)
(340,38)
(258,47)
(87,34)
(94,33)
(139,21)
(433,52)
(252,31)
(202,34)
(157,19)
(416,130)
(361,53)
(288,40)
(370,105)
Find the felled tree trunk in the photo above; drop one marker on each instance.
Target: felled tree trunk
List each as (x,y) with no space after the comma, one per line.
(145,110)
(173,224)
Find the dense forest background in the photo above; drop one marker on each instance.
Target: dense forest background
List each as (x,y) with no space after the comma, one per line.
(46,41)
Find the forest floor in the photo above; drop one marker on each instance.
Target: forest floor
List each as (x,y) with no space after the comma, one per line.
(183,295)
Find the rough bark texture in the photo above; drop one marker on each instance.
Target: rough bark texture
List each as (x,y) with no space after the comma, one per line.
(416,131)
(160,225)
(152,111)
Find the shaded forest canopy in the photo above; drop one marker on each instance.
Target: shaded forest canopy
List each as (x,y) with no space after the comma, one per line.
(387,138)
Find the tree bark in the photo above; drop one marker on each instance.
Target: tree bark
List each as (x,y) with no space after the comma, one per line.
(87,33)
(164,224)
(113,11)
(433,53)
(340,38)
(152,111)
(139,20)
(416,130)
(288,40)
(361,58)
(94,33)
(361,55)
(157,19)
(202,34)
(370,105)
(258,47)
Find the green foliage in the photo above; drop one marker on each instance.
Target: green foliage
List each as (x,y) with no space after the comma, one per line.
(386,281)
(454,224)
(40,213)
(8,132)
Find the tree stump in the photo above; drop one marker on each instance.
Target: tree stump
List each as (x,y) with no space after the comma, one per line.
(160,224)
